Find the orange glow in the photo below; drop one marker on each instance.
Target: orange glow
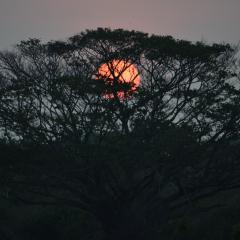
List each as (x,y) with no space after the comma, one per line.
(119,71)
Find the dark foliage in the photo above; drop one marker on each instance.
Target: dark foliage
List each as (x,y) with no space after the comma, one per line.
(129,163)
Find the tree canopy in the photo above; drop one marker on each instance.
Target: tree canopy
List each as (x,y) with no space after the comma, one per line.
(49,92)
(172,140)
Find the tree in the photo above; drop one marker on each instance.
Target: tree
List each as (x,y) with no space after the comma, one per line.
(113,157)
(50,92)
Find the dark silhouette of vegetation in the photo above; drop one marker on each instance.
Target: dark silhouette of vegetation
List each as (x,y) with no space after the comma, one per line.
(130,165)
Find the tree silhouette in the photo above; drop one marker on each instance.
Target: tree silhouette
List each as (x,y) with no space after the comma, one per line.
(128,160)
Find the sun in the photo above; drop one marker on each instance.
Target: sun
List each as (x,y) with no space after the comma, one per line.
(121,78)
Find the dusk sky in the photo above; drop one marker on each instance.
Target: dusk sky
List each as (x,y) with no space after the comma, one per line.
(211,20)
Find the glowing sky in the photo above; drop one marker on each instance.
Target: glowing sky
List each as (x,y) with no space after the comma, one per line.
(211,20)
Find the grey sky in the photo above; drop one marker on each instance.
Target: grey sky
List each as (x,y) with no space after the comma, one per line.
(211,20)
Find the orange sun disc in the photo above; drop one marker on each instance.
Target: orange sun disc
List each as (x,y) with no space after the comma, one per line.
(121,74)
